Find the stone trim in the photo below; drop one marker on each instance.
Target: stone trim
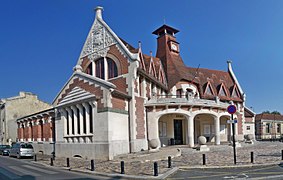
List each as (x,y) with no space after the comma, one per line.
(107,109)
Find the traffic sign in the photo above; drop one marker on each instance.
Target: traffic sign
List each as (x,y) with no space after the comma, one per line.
(231,109)
(232,121)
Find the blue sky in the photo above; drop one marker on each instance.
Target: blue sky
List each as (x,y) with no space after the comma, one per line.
(40,41)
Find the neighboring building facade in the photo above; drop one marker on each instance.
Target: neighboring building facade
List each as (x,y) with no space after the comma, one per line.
(38,129)
(120,100)
(13,108)
(268,126)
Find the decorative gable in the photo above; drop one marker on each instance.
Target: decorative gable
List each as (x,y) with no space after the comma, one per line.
(235,92)
(152,70)
(74,95)
(208,90)
(99,40)
(222,90)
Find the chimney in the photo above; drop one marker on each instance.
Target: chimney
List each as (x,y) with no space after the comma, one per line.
(98,12)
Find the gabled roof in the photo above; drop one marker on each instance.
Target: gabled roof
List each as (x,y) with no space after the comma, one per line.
(264,116)
(88,78)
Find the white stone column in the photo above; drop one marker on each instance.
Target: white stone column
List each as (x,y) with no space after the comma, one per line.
(105,68)
(74,109)
(93,68)
(217,130)
(70,120)
(86,106)
(64,118)
(191,131)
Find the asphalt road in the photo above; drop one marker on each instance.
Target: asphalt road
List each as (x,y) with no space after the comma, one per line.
(258,172)
(25,169)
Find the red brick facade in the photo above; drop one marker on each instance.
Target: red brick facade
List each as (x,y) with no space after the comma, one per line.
(140,118)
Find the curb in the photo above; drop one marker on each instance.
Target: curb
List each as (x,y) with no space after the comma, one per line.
(228,166)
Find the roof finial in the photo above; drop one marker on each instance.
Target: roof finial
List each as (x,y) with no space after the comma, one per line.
(98,12)
(139,44)
(150,53)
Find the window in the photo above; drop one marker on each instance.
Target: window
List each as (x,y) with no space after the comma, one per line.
(267,128)
(99,68)
(89,69)
(90,119)
(78,121)
(112,68)
(162,126)
(248,127)
(179,93)
(68,125)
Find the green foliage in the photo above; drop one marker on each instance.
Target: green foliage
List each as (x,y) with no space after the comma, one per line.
(273,112)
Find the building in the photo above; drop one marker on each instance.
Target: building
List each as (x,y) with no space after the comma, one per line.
(120,100)
(13,108)
(268,126)
(38,129)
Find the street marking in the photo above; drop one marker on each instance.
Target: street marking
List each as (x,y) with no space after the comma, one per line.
(41,170)
(25,172)
(9,174)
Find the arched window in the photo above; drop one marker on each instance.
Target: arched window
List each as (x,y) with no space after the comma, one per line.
(112,68)
(89,69)
(99,68)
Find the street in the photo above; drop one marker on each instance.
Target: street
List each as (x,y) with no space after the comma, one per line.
(259,172)
(26,169)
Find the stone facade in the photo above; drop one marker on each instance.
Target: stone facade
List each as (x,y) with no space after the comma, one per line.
(13,108)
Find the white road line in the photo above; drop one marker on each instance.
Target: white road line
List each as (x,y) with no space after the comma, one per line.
(25,172)
(41,170)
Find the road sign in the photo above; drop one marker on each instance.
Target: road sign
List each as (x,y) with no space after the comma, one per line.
(232,121)
(231,109)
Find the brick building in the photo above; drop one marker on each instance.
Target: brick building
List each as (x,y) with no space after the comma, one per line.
(120,100)
(38,129)
(15,107)
(268,126)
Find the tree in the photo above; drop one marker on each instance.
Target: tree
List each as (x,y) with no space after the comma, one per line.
(273,112)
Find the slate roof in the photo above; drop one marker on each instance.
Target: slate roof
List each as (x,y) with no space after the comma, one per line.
(262,116)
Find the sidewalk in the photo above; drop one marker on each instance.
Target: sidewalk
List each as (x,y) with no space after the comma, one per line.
(141,163)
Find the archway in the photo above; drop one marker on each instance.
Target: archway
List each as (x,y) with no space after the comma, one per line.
(172,129)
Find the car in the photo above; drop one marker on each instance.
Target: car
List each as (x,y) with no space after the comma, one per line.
(3,147)
(6,152)
(20,150)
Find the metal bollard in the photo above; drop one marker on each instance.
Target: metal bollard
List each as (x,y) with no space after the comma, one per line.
(252,157)
(122,167)
(92,165)
(169,162)
(68,162)
(155,169)
(282,154)
(35,159)
(51,161)
(203,159)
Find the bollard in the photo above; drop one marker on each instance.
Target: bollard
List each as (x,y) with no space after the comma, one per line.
(68,162)
(51,161)
(122,167)
(203,159)
(155,169)
(252,157)
(282,154)
(35,159)
(169,162)
(92,165)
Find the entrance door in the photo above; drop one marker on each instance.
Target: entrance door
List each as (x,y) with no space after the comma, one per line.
(178,132)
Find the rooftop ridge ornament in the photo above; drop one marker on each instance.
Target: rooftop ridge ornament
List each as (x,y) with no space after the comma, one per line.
(98,11)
